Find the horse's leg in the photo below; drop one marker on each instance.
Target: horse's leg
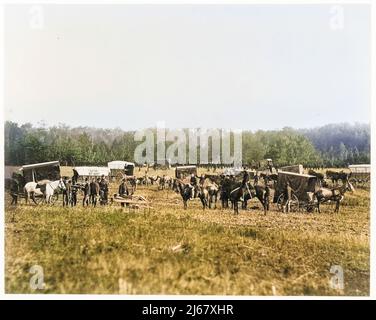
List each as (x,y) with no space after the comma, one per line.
(337,206)
(236,209)
(33,197)
(266,200)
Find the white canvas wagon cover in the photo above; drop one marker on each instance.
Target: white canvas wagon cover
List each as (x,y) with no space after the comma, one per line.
(360,168)
(92,171)
(119,165)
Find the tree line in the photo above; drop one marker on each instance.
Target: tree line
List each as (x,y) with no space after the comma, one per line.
(334,145)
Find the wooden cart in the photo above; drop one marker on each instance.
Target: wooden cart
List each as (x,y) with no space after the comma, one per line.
(133,201)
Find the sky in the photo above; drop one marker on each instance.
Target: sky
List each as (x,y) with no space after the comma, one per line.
(215,66)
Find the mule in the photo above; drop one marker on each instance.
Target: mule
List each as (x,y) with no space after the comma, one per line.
(335,194)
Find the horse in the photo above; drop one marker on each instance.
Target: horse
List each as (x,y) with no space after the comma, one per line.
(44,188)
(185,190)
(335,176)
(237,194)
(336,194)
(260,192)
(319,176)
(226,186)
(211,190)
(31,189)
(203,195)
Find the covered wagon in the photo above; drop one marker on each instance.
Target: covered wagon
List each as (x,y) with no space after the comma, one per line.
(303,187)
(297,168)
(360,174)
(119,169)
(81,173)
(182,172)
(41,171)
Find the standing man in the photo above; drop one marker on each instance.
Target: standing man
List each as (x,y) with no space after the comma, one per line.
(244,184)
(123,190)
(14,189)
(86,189)
(103,187)
(73,200)
(288,192)
(94,192)
(193,182)
(67,191)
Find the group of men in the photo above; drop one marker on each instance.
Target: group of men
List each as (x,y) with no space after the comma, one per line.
(94,190)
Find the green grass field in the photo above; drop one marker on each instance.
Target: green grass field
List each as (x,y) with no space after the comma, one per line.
(168,250)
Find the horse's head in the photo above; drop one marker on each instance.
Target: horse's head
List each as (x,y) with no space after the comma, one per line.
(61,184)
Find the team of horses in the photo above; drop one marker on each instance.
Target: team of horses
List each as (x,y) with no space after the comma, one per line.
(229,190)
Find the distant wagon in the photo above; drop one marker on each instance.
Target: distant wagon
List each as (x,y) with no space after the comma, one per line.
(119,169)
(360,174)
(80,173)
(182,172)
(298,168)
(303,185)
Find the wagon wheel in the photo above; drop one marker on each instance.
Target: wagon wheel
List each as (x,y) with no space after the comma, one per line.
(294,203)
(39,199)
(119,176)
(54,198)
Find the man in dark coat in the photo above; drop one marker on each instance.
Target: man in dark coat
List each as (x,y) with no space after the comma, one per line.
(94,192)
(74,190)
(86,189)
(67,191)
(244,184)
(103,187)
(14,189)
(123,190)
(288,193)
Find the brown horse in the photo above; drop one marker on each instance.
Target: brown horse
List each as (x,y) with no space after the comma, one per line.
(335,194)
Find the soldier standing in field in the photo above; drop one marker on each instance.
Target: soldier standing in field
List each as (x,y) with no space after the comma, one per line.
(67,192)
(244,184)
(103,187)
(73,200)
(123,190)
(94,192)
(14,189)
(86,189)
(287,200)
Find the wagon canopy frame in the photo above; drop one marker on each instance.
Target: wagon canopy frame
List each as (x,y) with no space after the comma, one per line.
(40,171)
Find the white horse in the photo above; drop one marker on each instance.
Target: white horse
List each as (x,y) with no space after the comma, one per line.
(31,188)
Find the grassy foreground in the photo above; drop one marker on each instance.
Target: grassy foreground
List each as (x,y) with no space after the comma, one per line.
(172,251)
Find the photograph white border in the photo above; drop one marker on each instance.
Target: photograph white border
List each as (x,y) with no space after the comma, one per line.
(5,296)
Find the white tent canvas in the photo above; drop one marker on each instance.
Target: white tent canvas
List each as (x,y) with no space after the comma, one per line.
(92,171)
(119,165)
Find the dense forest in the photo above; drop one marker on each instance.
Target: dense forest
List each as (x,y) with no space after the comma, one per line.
(329,146)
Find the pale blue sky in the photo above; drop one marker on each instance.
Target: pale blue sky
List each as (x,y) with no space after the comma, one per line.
(248,67)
